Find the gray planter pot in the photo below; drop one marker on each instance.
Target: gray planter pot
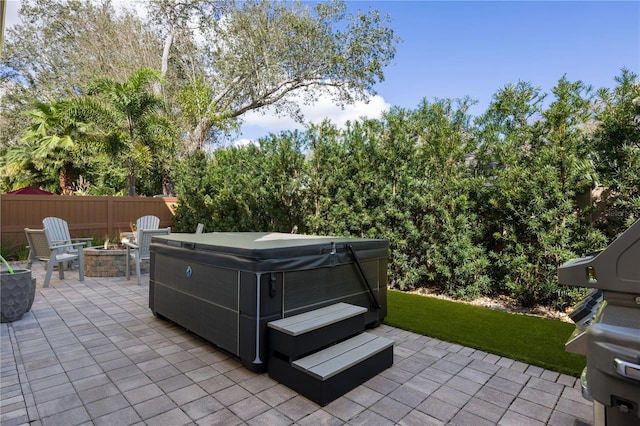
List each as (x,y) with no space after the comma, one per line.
(17,292)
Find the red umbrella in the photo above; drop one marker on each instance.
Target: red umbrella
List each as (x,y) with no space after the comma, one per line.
(30,190)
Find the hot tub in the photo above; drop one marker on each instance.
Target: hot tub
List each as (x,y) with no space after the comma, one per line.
(226,287)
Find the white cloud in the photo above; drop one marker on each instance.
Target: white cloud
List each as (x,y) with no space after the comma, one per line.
(243,142)
(259,124)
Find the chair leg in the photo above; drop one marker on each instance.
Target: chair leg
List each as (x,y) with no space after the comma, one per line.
(81,264)
(138,261)
(47,277)
(61,270)
(126,266)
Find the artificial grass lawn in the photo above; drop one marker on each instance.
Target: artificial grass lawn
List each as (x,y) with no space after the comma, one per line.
(534,340)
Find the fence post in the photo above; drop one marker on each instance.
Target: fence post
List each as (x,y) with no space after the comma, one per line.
(109,215)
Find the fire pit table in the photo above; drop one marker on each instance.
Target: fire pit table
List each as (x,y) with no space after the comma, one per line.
(109,262)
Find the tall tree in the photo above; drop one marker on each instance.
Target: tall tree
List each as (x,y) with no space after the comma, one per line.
(58,48)
(180,21)
(54,51)
(261,52)
(53,132)
(130,113)
(220,59)
(533,172)
(50,144)
(617,148)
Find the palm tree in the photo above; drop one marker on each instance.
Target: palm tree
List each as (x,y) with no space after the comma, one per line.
(129,113)
(50,141)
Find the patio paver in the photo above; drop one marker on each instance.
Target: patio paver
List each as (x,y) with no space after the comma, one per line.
(93,353)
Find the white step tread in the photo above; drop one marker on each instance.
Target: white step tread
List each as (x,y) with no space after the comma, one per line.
(337,358)
(318,318)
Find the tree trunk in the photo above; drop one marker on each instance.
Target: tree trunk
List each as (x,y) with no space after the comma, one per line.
(199,134)
(168,188)
(66,179)
(197,138)
(164,67)
(132,178)
(165,52)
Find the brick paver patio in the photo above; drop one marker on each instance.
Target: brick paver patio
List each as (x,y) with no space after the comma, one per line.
(93,353)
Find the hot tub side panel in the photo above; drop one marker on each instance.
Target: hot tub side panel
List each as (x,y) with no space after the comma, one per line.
(307,290)
(197,296)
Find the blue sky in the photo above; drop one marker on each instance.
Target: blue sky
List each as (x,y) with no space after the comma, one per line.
(453,49)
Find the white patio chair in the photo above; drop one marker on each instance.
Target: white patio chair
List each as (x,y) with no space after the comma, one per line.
(58,253)
(140,250)
(38,246)
(59,232)
(147,222)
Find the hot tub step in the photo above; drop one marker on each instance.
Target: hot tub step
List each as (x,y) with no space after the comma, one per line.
(330,373)
(298,335)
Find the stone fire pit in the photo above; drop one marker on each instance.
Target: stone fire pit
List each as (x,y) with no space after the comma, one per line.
(109,262)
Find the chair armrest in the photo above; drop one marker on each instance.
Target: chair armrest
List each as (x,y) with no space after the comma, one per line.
(129,244)
(86,240)
(57,245)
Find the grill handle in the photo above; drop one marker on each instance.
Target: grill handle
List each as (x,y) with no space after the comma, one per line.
(627,369)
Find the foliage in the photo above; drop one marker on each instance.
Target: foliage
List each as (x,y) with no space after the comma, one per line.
(375,181)
(6,264)
(217,60)
(532,162)
(194,187)
(54,133)
(54,51)
(130,115)
(247,188)
(264,51)
(48,59)
(617,149)
(471,209)
(48,149)
(115,125)
(455,259)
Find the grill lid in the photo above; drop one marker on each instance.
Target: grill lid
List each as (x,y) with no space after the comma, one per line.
(616,268)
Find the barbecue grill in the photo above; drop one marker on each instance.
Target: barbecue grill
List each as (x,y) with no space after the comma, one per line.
(608,328)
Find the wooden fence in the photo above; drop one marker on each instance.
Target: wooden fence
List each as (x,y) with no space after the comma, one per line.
(98,217)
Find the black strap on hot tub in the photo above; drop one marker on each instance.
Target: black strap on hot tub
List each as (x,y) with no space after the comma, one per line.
(375,304)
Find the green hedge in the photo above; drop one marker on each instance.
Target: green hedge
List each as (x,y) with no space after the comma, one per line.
(471,207)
